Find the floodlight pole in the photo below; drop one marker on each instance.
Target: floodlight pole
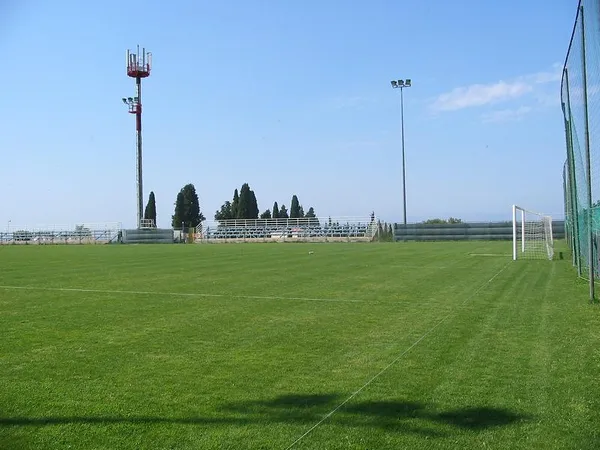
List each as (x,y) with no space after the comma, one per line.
(403,154)
(138,67)
(401,84)
(138,145)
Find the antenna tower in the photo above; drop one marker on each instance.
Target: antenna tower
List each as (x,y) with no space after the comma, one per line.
(138,67)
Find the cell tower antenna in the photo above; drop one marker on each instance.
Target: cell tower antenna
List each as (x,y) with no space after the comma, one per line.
(139,65)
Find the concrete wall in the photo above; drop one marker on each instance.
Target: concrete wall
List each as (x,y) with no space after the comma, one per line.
(148,236)
(485,231)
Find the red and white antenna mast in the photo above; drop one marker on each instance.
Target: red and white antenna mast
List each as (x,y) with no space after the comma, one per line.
(138,67)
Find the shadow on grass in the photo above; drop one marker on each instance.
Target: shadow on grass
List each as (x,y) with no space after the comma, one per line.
(387,409)
(298,402)
(479,418)
(399,416)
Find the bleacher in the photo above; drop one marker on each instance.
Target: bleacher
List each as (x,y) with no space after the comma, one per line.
(105,233)
(282,230)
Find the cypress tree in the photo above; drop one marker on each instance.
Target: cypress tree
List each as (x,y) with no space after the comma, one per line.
(295,207)
(150,211)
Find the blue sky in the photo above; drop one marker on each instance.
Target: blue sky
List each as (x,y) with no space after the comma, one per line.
(291,97)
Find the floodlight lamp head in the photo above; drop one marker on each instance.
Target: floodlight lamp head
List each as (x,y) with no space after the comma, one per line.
(394,83)
(124,100)
(401,83)
(407,82)
(129,99)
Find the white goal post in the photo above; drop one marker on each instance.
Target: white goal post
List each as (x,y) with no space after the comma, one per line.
(532,235)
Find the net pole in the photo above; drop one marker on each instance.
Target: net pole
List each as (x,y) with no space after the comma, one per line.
(522,230)
(587,160)
(567,205)
(514,217)
(569,229)
(572,178)
(550,241)
(566,181)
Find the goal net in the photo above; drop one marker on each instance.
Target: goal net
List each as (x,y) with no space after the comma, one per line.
(532,235)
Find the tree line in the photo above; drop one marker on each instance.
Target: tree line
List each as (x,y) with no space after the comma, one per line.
(243,205)
(187,208)
(436,221)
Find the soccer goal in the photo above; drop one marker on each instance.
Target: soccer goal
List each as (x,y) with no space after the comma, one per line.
(532,235)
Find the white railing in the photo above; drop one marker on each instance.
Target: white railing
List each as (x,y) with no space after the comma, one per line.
(81,233)
(147,223)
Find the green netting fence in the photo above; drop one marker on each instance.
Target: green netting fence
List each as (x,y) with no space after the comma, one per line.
(580,95)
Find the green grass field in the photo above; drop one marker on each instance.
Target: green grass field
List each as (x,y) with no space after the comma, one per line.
(265,346)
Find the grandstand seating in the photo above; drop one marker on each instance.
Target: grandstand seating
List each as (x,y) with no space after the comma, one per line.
(305,229)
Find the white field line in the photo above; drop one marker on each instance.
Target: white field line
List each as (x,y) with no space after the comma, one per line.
(182,294)
(414,344)
(408,266)
(197,294)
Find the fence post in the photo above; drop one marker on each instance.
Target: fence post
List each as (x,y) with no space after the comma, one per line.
(572,186)
(587,159)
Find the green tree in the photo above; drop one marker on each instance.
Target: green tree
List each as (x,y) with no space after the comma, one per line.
(225,213)
(248,207)
(295,207)
(253,206)
(266,214)
(301,212)
(275,211)
(235,205)
(434,221)
(150,211)
(385,232)
(283,213)
(187,208)
(177,218)
(437,221)
(312,217)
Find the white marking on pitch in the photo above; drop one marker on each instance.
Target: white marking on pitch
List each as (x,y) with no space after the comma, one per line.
(183,294)
(414,344)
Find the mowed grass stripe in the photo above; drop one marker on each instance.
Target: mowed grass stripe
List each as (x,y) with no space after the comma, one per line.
(488,378)
(119,371)
(396,360)
(209,269)
(124,328)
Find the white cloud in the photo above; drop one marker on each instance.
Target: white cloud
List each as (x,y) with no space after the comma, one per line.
(553,75)
(505,115)
(479,95)
(497,92)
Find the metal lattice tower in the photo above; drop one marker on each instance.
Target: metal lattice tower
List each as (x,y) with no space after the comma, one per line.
(138,67)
